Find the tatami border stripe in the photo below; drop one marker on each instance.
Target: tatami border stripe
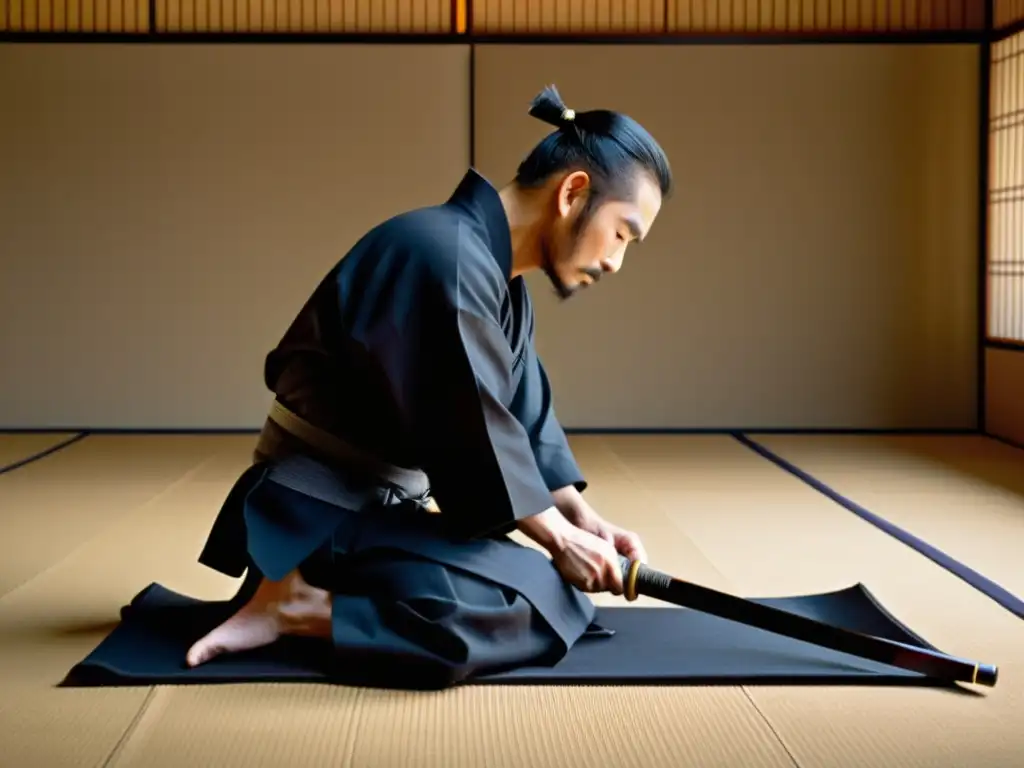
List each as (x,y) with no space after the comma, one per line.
(983,584)
(43,454)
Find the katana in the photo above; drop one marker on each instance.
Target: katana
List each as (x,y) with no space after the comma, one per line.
(640,579)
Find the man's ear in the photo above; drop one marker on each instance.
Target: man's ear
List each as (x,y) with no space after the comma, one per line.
(572,190)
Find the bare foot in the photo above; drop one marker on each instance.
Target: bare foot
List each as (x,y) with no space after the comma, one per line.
(286,607)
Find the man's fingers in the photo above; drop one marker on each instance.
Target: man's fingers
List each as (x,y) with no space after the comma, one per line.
(611,578)
(629,545)
(614,581)
(639,553)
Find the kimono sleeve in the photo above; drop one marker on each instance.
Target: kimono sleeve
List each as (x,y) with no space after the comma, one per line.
(448,366)
(534,407)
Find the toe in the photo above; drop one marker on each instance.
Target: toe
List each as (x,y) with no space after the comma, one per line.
(203,650)
(244,631)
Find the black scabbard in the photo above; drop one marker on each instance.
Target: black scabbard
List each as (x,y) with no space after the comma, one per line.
(640,579)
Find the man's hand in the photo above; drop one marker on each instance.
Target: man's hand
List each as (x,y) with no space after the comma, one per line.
(577,511)
(588,562)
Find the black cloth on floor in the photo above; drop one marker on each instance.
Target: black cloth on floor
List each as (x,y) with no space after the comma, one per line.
(628,645)
(414,607)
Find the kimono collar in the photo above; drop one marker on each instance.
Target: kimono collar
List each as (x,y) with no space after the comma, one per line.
(478,197)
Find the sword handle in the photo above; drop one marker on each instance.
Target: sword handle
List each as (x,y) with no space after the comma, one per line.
(638,579)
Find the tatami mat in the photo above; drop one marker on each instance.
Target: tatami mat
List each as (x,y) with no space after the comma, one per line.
(51,506)
(17,447)
(962,494)
(136,510)
(768,533)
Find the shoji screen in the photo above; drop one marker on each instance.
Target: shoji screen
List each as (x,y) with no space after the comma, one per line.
(402,16)
(1006,192)
(1004,359)
(761,16)
(1006,12)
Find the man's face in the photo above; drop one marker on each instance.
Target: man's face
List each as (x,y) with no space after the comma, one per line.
(582,245)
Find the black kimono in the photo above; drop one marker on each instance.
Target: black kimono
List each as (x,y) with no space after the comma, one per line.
(417,348)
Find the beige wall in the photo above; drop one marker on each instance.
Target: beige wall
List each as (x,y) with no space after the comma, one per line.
(939,280)
(818,265)
(164,219)
(1004,393)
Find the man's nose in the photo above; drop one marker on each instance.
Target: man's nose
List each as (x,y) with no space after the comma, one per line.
(613,264)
